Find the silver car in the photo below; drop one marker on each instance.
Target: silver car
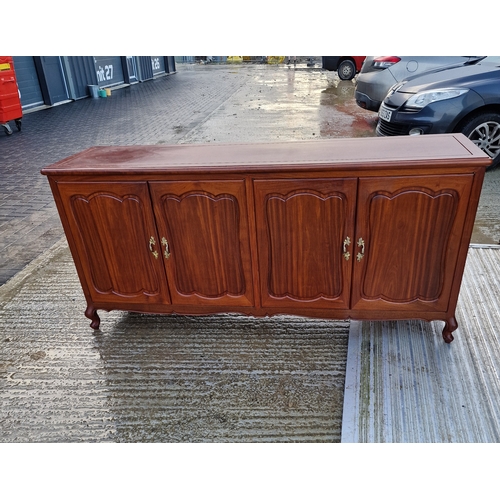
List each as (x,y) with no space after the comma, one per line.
(380,73)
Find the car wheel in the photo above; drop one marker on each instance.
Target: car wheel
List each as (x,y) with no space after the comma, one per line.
(346,70)
(484,131)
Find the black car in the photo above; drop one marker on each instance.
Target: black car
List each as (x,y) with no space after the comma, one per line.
(464,99)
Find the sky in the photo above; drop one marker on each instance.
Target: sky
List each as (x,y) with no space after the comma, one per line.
(257,27)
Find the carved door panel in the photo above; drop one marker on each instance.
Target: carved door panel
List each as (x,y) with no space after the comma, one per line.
(305,231)
(114,230)
(205,241)
(408,232)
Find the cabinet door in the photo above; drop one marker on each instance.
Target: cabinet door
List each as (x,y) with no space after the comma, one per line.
(206,247)
(113,228)
(408,235)
(302,228)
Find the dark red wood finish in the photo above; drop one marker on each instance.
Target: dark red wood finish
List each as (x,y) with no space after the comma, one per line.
(205,227)
(374,228)
(302,226)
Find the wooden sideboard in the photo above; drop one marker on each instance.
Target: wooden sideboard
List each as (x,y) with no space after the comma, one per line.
(369,228)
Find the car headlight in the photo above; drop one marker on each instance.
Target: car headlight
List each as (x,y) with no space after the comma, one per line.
(422,99)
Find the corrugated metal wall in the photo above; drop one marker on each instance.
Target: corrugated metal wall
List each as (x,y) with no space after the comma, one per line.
(49,80)
(81,73)
(145,68)
(185,59)
(170,64)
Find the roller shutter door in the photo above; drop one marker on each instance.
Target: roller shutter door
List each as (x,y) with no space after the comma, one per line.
(27,81)
(158,65)
(109,70)
(52,79)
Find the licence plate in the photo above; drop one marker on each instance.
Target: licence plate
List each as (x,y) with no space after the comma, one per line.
(385,113)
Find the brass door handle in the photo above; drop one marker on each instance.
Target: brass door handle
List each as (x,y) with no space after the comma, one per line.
(346,254)
(167,251)
(151,243)
(361,254)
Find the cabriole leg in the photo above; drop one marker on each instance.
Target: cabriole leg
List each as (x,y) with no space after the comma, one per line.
(450,326)
(91,313)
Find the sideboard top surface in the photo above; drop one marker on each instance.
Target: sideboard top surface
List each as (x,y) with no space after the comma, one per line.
(326,152)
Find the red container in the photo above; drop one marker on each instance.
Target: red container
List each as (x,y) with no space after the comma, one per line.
(10,103)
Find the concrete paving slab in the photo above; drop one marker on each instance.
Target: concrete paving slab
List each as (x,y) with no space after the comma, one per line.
(151,378)
(405,385)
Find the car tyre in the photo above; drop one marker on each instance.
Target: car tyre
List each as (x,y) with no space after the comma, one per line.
(484,131)
(346,70)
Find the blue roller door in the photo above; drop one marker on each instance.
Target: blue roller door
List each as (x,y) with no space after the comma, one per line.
(27,81)
(158,64)
(109,70)
(52,79)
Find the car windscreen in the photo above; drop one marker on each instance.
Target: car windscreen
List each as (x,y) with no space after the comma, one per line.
(491,60)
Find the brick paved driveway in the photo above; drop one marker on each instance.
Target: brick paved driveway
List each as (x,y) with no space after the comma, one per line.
(153,112)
